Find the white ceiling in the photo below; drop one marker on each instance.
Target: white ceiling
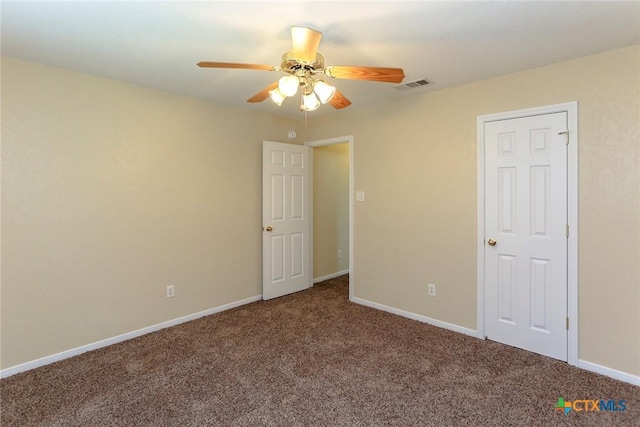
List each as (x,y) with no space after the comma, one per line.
(158,44)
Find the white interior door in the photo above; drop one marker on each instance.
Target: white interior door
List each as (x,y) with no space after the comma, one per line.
(525,284)
(286,219)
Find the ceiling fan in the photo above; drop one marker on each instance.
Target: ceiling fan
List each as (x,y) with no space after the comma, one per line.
(303,65)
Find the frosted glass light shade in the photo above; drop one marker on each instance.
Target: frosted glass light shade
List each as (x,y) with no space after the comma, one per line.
(288,85)
(310,102)
(277,97)
(324,91)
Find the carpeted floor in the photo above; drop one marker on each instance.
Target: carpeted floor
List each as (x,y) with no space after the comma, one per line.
(309,359)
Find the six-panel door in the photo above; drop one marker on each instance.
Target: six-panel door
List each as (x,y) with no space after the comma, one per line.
(286,221)
(526,215)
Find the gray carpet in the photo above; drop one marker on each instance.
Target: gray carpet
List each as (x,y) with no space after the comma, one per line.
(309,359)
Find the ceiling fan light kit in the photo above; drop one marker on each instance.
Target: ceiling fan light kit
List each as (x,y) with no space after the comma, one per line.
(324,91)
(310,102)
(301,65)
(288,85)
(277,97)
(314,92)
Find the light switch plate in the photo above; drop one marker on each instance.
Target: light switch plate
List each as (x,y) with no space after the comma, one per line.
(359,196)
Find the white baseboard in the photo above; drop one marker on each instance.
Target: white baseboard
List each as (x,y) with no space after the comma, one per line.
(124,337)
(609,372)
(418,317)
(582,364)
(4,373)
(330,276)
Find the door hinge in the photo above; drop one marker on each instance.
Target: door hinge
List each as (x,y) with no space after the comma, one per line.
(566,136)
(566,230)
(567,323)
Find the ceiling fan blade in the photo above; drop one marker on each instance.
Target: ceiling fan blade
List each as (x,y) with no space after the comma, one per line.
(207,64)
(376,74)
(263,94)
(305,43)
(339,101)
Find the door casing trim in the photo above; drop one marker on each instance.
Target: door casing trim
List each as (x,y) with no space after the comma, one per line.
(571,108)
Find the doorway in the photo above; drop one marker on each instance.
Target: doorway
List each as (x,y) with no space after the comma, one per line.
(527,254)
(332,208)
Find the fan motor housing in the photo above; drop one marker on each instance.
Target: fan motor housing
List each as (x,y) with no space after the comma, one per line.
(291,64)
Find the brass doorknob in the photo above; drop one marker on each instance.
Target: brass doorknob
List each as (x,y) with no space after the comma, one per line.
(268,228)
(491,242)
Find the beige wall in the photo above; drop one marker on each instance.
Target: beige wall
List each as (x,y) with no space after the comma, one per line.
(416,160)
(110,193)
(330,209)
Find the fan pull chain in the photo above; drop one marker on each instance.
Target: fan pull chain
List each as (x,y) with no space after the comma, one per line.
(305,122)
(305,112)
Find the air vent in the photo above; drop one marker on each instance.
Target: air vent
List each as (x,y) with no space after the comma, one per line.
(413,85)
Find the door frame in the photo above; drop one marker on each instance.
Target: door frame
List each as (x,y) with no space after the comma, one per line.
(571,108)
(348,139)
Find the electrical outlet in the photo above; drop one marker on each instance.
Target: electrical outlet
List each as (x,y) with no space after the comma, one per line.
(339,253)
(431,289)
(170,291)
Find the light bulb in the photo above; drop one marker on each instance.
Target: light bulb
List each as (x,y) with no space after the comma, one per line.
(310,102)
(288,85)
(277,97)
(324,91)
